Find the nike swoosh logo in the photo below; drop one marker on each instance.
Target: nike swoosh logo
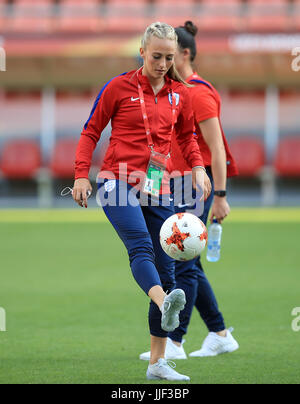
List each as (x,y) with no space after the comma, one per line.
(181,206)
(134,99)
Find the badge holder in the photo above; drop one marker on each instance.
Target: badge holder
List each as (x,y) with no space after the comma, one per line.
(155,173)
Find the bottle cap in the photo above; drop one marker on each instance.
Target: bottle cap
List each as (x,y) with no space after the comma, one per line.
(215,221)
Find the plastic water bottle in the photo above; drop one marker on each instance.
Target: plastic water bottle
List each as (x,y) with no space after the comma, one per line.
(214,242)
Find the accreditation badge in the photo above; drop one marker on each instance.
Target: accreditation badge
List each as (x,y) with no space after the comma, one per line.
(155,173)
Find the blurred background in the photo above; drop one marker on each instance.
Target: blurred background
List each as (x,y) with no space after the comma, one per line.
(60,53)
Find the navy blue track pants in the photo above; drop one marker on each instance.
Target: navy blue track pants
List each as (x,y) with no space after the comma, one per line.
(138,227)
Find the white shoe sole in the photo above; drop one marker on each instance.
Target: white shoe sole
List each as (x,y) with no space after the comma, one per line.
(150,376)
(170,317)
(199,354)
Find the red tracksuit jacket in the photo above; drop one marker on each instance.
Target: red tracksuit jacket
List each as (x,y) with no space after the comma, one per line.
(119,102)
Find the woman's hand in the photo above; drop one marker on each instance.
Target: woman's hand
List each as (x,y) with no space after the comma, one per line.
(220,209)
(80,191)
(201,180)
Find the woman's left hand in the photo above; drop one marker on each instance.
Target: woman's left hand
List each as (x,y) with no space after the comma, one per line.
(201,180)
(220,209)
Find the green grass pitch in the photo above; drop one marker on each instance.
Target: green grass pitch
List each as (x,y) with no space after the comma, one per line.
(75,315)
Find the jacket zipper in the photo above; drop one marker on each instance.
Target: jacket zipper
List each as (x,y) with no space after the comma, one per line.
(156,120)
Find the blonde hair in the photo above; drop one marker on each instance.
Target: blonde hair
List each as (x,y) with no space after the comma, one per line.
(163,31)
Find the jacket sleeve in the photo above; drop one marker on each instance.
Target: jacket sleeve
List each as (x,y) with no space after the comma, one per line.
(103,110)
(186,140)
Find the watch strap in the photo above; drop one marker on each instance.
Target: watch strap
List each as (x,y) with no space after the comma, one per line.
(221,193)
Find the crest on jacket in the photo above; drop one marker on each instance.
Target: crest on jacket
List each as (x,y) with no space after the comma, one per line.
(177,96)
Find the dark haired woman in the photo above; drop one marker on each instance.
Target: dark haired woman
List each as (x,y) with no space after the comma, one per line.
(219,165)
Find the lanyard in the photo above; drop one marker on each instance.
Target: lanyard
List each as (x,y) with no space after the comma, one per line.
(145,116)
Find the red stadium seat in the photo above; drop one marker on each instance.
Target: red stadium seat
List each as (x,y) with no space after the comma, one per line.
(266,23)
(32,2)
(268,2)
(214,23)
(127,24)
(32,8)
(79,16)
(174,14)
(296,15)
(128,17)
(2,16)
(79,5)
(221,6)
(173,3)
(125,2)
(29,24)
(217,15)
(63,159)
(174,20)
(268,15)
(287,159)
(249,155)
(3,3)
(20,159)
(79,24)
(30,16)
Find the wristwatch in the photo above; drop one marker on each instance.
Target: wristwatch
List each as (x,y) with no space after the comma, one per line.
(220,193)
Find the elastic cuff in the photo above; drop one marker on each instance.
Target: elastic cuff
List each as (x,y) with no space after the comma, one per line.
(82,173)
(203,168)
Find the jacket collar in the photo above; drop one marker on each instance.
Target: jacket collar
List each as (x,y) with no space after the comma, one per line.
(193,76)
(145,83)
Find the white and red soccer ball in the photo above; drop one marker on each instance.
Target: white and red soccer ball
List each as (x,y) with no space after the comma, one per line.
(183,236)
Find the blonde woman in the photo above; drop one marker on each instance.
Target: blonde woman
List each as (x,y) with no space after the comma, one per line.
(145,107)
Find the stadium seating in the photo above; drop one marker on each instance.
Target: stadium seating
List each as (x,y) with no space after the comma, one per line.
(125,2)
(30,16)
(268,15)
(218,23)
(20,159)
(126,17)
(217,15)
(62,160)
(2,15)
(287,159)
(249,154)
(173,12)
(79,16)
(93,16)
(219,6)
(296,15)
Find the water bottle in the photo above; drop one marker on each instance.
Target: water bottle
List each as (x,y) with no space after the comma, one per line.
(214,242)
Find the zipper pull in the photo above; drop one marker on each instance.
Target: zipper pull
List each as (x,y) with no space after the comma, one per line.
(156,101)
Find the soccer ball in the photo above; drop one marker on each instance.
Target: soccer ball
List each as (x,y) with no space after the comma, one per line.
(183,236)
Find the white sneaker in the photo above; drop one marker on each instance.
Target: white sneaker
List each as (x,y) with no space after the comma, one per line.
(214,345)
(172,306)
(164,370)
(172,351)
